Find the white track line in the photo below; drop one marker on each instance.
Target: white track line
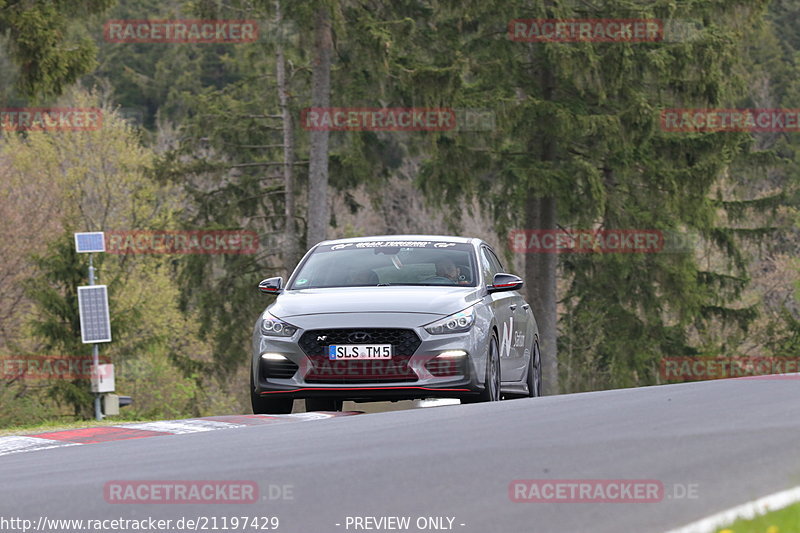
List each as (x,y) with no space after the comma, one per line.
(439,402)
(179,427)
(17,444)
(748,510)
(308,416)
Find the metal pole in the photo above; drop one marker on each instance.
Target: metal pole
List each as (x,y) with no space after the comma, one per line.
(98,415)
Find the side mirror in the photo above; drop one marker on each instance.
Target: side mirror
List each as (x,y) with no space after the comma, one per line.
(271,285)
(505,282)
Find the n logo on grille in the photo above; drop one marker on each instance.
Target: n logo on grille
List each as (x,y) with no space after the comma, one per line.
(359,336)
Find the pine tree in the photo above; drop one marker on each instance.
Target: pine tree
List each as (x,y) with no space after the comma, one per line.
(47,44)
(578,145)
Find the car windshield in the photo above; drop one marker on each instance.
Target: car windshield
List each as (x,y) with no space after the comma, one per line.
(374,263)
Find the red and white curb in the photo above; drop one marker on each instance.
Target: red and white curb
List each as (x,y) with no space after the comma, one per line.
(93,435)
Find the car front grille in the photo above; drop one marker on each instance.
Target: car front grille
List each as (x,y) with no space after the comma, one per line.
(404,343)
(315,342)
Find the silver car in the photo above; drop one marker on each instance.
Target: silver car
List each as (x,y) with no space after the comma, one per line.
(394,318)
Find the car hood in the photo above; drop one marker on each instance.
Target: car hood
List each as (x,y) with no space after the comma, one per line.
(429,300)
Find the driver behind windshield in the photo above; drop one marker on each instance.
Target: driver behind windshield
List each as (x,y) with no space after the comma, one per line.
(446,268)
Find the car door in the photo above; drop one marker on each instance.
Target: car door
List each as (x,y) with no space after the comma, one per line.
(511,320)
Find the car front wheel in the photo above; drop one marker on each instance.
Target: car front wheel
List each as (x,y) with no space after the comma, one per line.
(323,404)
(491,389)
(269,406)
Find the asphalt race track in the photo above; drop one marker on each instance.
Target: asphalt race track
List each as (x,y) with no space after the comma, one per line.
(712,445)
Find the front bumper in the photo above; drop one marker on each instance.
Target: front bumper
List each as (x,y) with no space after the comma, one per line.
(306,372)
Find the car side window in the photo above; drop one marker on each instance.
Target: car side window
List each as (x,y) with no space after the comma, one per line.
(495,261)
(490,265)
(486,266)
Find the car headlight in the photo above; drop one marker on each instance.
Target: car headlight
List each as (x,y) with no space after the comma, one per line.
(455,323)
(275,327)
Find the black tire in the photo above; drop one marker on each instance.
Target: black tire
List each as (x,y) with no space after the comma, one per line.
(268,406)
(492,379)
(535,372)
(323,404)
(271,406)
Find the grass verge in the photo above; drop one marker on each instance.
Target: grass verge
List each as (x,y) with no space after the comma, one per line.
(786,520)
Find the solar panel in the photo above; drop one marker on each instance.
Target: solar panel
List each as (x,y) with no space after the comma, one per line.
(90,242)
(93,309)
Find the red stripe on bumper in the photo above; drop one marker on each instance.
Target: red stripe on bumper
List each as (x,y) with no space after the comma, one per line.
(361,388)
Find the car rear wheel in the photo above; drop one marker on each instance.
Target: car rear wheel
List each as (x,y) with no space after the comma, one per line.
(491,389)
(535,372)
(323,404)
(269,406)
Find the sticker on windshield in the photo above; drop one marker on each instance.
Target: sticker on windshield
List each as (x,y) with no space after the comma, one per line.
(394,246)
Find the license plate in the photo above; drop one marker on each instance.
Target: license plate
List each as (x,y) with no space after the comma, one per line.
(360,351)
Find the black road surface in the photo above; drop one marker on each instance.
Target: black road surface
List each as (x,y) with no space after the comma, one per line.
(712,445)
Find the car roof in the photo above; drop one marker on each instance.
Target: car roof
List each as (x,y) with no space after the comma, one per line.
(439,238)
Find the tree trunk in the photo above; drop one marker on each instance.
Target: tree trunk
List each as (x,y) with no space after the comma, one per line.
(318,202)
(541,269)
(540,278)
(290,238)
